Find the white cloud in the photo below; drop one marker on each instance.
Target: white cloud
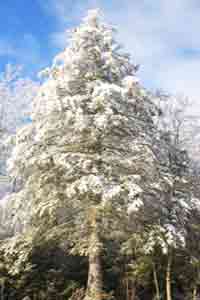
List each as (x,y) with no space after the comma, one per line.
(26,51)
(67,11)
(181,75)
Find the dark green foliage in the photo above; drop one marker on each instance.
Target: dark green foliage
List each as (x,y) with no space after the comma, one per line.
(55,275)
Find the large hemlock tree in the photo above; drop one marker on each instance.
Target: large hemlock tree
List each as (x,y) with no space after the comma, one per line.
(89,158)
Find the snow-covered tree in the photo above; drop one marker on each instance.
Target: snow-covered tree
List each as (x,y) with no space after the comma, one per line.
(170,232)
(179,118)
(88,158)
(16,95)
(161,226)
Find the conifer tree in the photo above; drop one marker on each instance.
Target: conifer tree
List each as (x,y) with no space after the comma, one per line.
(88,158)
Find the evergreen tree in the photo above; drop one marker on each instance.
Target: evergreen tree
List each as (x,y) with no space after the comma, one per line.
(90,158)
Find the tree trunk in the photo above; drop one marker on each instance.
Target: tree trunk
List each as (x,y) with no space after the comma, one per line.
(95,276)
(155,279)
(133,292)
(168,277)
(2,289)
(194,293)
(127,288)
(130,289)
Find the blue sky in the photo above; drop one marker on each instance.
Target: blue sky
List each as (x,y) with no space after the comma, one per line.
(24,34)
(162,35)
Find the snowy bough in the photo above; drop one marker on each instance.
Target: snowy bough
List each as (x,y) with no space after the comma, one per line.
(87,160)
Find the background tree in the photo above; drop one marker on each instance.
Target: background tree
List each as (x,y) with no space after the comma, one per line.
(16,95)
